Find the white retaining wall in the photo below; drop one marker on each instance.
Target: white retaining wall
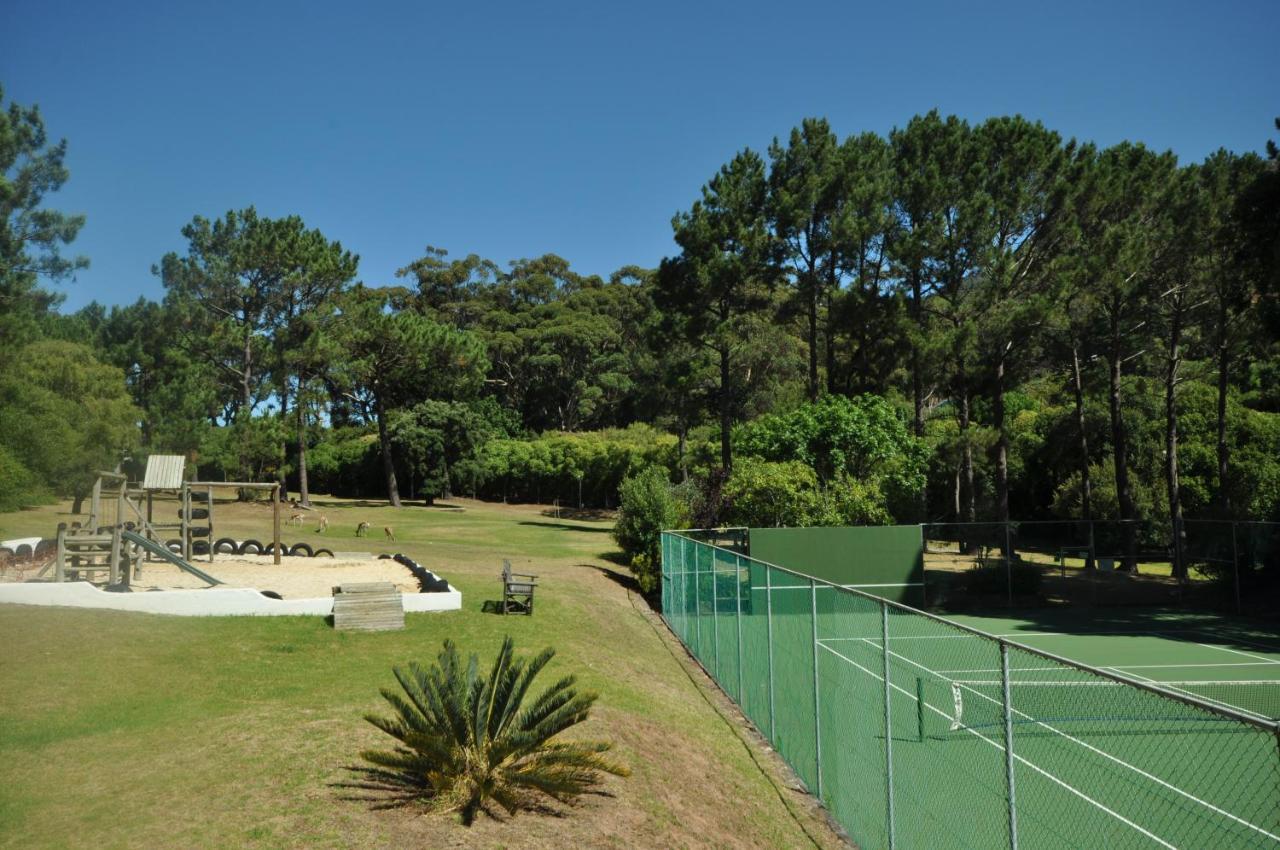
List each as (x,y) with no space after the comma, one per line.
(213,602)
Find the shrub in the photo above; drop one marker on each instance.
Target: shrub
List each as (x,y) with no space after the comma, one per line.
(467,741)
(648,506)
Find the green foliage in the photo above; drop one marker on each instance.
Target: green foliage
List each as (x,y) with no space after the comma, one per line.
(584,468)
(467,742)
(861,439)
(647,506)
(250,446)
(64,416)
(18,487)
(441,442)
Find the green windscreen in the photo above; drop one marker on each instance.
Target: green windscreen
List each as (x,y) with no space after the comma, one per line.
(890,556)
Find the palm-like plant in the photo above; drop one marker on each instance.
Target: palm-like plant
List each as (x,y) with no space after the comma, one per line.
(467,740)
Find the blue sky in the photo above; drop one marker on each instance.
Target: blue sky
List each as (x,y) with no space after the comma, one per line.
(513,130)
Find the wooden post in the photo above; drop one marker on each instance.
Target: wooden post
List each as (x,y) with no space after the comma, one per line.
(186,522)
(209,508)
(95,505)
(60,564)
(275,522)
(114,558)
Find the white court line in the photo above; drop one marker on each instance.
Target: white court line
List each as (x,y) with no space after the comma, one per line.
(1103,753)
(1238,652)
(1000,747)
(1126,667)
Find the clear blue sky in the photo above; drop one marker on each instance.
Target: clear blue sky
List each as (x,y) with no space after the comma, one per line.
(573,128)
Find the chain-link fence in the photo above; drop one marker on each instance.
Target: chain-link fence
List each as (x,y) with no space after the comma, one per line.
(916,732)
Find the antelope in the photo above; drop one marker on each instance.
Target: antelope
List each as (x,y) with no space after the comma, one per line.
(362,530)
(296,519)
(324,524)
(389,533)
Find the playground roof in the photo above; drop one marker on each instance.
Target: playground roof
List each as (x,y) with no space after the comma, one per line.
(164,472)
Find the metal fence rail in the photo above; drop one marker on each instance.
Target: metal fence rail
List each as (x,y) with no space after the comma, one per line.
(917,732)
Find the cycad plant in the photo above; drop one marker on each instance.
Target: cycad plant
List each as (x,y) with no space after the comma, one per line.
(467,740)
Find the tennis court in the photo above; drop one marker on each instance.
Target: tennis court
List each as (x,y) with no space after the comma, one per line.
(921,732)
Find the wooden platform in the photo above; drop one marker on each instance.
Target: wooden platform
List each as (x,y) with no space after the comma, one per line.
(368,606)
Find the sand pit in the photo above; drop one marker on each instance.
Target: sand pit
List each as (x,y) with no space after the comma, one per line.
(293,578)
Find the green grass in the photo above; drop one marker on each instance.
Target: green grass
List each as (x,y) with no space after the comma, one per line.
(124,730)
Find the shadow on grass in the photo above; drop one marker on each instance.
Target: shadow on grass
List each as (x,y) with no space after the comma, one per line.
(583,514)
(615,557)
(565,527)
(628,581)
(494,606)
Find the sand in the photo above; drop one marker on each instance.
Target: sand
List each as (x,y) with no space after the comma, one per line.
(294,578)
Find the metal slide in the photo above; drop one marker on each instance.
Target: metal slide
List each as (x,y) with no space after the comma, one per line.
(163,552)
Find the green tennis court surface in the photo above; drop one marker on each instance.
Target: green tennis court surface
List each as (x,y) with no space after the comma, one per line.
(1095,763)
(917,732)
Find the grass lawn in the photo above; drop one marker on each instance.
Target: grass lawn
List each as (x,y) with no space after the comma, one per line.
(124,730)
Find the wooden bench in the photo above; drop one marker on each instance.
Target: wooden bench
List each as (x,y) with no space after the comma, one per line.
(374,606)
(517,589)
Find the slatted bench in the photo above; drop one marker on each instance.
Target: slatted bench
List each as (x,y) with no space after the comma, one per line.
(374,606)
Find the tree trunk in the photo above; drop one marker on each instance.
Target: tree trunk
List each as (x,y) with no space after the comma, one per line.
(966,449)
(726,414)
(682,439)
(917,389)
(813,338)
(1086,483)
(1120,453)
(77,504)
(1171,444)
(1002,446)
(1224,452)
(304,492)
(384,444)
(831,341)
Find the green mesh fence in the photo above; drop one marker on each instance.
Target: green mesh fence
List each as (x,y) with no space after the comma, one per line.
(916,732)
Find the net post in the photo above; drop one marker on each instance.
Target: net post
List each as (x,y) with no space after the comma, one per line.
(888,722)
(1007,705)
(737,585)
(817,719)
(919,709)
(768,609)
(1235,564)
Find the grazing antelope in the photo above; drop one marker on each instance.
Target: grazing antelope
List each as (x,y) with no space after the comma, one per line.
(389,533)
(362,530)
(324,524)
(296,519)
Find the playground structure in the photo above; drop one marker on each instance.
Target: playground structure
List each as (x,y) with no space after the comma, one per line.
(123,530)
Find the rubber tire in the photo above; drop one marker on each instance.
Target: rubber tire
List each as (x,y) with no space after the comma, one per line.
(270,549)
(226,546)
(196,513)
(302,550)
(24,551)
(174,545)
(250,547)
(200,547)
(199,532)
(46,545)
(322,553)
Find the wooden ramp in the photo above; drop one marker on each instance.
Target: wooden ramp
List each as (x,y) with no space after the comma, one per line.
(373,606)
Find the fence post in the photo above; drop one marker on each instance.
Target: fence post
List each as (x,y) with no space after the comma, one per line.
(888,720)
(768,609)
(1008,745)
(697,606)
(737,584)
(817,716)
(715,621)
(1235,564)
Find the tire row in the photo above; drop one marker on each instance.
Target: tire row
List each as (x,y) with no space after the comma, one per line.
(227,546)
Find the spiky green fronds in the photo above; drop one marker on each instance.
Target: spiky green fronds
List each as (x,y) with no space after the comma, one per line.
(467,741)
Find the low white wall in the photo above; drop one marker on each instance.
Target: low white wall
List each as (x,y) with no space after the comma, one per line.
(198,603)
